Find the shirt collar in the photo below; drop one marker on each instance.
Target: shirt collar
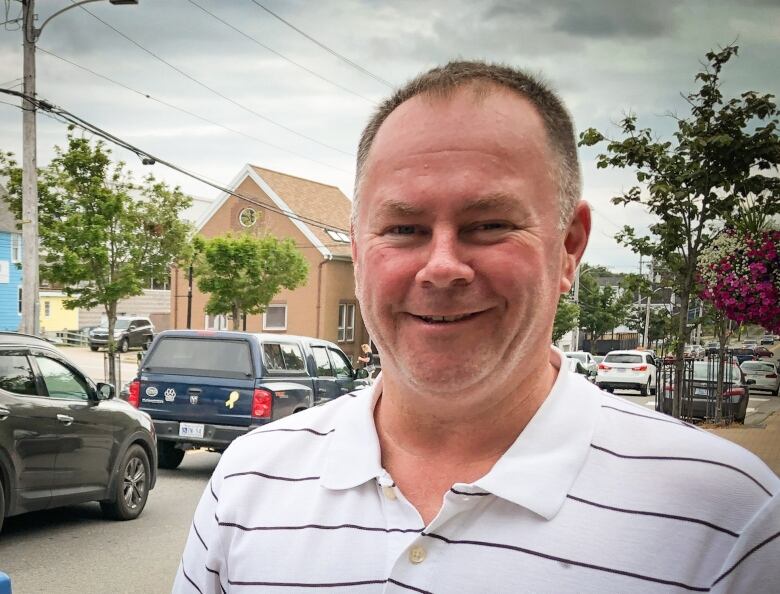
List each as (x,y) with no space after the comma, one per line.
(536,472)
(540,467)
(353,456)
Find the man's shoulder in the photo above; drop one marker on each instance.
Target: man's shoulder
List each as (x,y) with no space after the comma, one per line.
(293,437)
(642,438)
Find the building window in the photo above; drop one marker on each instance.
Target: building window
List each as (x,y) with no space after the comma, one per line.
(338,236)
(275,317)
(20,300)
(219,322)
(160,285)
(47,309)
(247,217)
(16,247)
(346,322)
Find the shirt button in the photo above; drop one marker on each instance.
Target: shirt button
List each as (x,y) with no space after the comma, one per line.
(389,493)
(417,555)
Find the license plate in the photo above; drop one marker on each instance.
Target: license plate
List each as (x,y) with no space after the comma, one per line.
(701,392)
(621,369)
(190,430)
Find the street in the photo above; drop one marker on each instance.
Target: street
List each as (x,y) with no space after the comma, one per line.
(73,550)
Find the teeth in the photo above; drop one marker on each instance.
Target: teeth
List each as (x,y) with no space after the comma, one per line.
(436,319)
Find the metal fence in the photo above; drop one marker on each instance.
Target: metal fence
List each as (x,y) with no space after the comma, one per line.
(698,385)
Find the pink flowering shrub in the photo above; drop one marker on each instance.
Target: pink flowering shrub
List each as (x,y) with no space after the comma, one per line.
(739,275)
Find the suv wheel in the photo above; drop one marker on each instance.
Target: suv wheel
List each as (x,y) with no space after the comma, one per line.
(2,506)
(644,390)
(124,345)
(93,347)
(132,488)
(168,455)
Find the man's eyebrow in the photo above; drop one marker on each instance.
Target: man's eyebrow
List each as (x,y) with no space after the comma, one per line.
(399,208)
(500,202)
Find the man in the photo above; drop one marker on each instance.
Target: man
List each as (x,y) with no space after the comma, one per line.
(477,462)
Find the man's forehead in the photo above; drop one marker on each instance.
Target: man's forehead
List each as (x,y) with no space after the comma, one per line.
(496,202)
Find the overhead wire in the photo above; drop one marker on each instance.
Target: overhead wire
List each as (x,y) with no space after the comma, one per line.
(276,53)
(213,90)
(66,116)
(325,47)
(188,112)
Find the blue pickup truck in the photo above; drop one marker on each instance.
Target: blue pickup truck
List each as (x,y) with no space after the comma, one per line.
(203,389)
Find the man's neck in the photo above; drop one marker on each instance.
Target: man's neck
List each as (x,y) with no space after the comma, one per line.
(473,425)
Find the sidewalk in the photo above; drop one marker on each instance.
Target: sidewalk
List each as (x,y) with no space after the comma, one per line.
(763,441)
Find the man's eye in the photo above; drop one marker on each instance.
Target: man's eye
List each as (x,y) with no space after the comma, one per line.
(403,230)
(492,226)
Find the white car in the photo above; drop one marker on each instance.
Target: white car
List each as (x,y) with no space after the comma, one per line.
(587,360)
(764,373)
(627,370)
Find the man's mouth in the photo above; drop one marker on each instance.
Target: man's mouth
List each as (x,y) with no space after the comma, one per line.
(446,319)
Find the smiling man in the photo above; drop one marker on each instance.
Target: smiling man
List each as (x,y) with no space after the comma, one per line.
(477,462)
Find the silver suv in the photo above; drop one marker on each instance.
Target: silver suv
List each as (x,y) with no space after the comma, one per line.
(129,332)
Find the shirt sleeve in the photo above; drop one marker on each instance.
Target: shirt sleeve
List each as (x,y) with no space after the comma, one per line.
(203,566)
(752,565)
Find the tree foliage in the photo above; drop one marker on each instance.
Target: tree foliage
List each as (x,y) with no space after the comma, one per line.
(718,167)
(242,274)
(566,317)
(602,308)
(103,237)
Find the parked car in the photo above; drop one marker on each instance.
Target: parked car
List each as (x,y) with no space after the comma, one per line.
(65,439)
(749,344)
(764,373)
(693,351)
(760,351)
(711,348)
(627,370)
(768,339)
(129,332)
(743,354)
(700,399)
(575,366)
(587,361)
(203,389)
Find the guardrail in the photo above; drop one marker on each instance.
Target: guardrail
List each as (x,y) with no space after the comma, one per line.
(68,337)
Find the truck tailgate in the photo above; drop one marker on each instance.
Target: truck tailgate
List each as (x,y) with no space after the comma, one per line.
(218,401)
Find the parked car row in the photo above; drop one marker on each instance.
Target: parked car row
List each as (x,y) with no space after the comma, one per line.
(65,439)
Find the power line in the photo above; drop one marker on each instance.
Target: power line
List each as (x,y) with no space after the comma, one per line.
(66,116)
(273,51)
(213,90)
(326,48)
(188,112)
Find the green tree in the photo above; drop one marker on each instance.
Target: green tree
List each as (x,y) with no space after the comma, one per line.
(242,274)
(103,237)
(566,317)
(716,169)
(603,307)
(660,326)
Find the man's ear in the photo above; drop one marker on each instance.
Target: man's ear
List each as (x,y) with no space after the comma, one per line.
(574,244)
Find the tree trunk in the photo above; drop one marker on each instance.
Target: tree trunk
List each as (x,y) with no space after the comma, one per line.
(236,317)
(682,336)
(111,314)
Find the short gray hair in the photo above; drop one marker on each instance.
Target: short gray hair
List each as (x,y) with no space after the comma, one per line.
(443,81)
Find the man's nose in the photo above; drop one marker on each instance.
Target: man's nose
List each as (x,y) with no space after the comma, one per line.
(446,265)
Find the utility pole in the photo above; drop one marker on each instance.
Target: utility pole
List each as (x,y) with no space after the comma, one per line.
(577,301)
(189,298)
(30,311)
(646,340)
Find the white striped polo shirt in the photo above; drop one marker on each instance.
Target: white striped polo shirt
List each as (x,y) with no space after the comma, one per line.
(595,495)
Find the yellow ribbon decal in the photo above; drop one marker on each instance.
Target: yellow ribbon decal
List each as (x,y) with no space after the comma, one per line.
(232,399)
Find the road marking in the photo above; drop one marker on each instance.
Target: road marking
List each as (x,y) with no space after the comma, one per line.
(649,403)
(754,399)
(750,410)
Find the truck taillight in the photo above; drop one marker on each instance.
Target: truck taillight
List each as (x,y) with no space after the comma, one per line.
(639,368)
(134,393)
(262,401)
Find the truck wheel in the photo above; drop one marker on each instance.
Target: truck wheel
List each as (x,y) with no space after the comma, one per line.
(168,455)
(132,488)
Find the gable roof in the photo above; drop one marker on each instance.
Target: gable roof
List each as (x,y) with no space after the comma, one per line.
(302,198)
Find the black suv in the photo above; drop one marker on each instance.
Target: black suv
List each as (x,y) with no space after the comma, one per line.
(65,439)
(129,332)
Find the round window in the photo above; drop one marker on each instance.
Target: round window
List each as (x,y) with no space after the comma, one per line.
(247,217)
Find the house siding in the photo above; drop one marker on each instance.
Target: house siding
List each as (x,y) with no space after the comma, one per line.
(10,318)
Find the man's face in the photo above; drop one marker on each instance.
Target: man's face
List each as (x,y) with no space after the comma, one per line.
(458,257)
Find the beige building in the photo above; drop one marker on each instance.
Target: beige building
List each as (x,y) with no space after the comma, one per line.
(325,307)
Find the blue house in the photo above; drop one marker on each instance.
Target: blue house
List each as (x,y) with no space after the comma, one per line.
(10,273)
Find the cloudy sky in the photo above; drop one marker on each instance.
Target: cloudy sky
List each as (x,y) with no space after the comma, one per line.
(211,85)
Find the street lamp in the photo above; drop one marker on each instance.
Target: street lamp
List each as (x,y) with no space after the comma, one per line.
(31,33)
